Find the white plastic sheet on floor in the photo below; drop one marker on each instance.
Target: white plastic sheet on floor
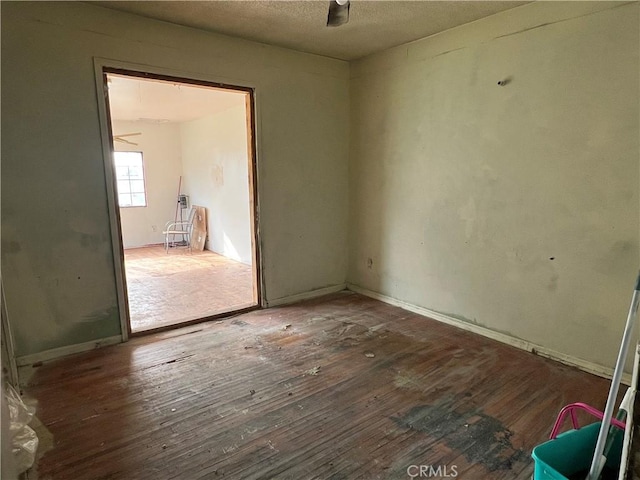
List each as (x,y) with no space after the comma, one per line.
(24,441)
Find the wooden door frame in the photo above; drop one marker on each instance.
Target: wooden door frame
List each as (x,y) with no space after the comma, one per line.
(102,67)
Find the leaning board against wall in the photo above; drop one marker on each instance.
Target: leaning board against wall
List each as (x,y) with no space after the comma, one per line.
(199,234)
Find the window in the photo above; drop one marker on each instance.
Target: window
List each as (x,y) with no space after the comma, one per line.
(130,179)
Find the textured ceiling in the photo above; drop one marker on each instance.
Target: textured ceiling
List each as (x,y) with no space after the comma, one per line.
(136,99)
(301,25)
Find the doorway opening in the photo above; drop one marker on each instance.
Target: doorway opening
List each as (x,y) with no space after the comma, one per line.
(184,191)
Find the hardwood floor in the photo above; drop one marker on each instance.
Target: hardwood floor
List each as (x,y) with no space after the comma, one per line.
(178,286)
(342,387)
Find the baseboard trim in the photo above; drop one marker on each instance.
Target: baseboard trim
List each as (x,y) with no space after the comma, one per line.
(25,360)
(306,295)
(565,359)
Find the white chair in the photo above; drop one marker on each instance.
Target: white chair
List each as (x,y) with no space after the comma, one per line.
(181,229)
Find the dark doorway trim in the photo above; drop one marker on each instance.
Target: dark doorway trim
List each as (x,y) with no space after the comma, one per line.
(102,67)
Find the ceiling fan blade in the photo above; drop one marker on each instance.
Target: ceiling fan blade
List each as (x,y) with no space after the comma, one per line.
(338,13)
(129,134)
(122,140)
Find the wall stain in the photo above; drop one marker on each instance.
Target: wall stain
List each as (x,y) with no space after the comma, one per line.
(217,175)
(102,315)
(618,256)
(622,247)
(480,438)
(91,241)
(11,247)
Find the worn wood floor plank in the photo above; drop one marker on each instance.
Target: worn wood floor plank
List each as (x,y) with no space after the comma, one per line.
(167,288)
(342,387)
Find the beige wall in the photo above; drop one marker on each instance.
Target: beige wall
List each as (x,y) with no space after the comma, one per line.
(512,207)
(216,176)
(160,145)
(210,154)
(57,262)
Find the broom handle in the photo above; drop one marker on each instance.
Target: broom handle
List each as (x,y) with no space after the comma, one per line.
(178,204)
(598,462)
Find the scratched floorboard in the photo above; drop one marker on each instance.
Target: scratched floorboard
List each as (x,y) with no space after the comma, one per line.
(237,399)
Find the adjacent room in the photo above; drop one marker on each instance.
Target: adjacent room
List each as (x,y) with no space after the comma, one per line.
(319,240)
(183,167)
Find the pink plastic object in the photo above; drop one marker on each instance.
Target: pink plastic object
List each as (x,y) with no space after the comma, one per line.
(571,409)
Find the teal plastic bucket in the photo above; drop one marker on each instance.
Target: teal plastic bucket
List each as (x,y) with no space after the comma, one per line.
(569,455)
